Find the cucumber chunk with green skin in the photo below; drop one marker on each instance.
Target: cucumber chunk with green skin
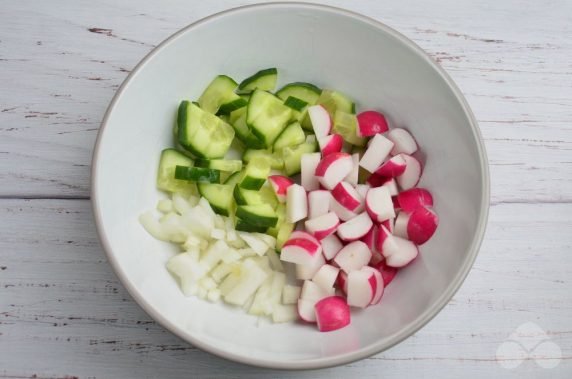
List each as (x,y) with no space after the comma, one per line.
(292,156)
(237,119)
(219,197)
(170,159)
(220,164)
(197,174)
(257,215)
(283,234)
(242,226)
(334,101)
(292,135)
(265,195)
(233,179)
(232,105)
(255,174)
(220,91)
(266,116)
(303,91)
(346,125)
(263,79)
(281,213)
(295,103)
(275,160)
(203,134)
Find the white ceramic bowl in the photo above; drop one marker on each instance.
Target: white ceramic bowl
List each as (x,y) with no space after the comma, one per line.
(333,48)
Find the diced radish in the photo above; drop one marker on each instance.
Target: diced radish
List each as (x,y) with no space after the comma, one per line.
(322,226)
(400,227)
(342,282)
(318,203)
(297,203)
(353,177)
(362,287)
(414,198)
(412,173)
(346,195)
(308,164)
(379,283)
(306,310)
(280,186)
(399,253)
(370,238)
(304,235)
(355,228)
(321,121)
(362,189)
(379,205)
(387,272)
(375,180)
(353,256)
(403,141)
(378,149)
(332,143)
(326,276)
(300,251)
(331,245)
(393,167)
(389,224)
(333,168)
(343,213)
(391,184)
(332,313)
(308,271)
(313,292)
(375,258)
(395,202)
(371,123)
(385,240)
(422,225)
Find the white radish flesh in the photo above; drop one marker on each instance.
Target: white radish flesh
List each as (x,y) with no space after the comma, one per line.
(353,256)
(331,245)
(385,240)
(362,286)
(403,141)
(414,198)
(378,149)
(411,175)
(379,288)
(326,276)
(333,168)
(304,235)
(332,143)
(308,271)
(371,123)
(353,176)
(280,186)
(300,251)
(379,205)
(362,190)
(322,226)
(370,239)
(332,313)
(400,227)
(422,225)
(389,224)
(391,184)
(308,164)
(355,228)
(347,196)
(321,121)
(393,167)
(313,292)
(297,203)
(342,212)
(318,203)
(399,253)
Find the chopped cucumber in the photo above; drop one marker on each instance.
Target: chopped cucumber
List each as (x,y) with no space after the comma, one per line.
(263,79)
(266,116)
(220,164)
(202,133)
(255,174)
(295,103)
(220,91)
(197,174)
(170,159)
(303,91)
(333,101)
(257,215)
(281,213)
(275,160)
(219,197)
(293,154)
(243,226)
(254,197)
(232,105)
(283,235)
(345,124)
(238,121)
(233,179)
(292,135)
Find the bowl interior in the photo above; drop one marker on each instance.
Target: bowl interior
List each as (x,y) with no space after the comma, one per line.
(332,49)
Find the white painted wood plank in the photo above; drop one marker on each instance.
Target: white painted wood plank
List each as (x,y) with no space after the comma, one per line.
(61,302)
(58,76)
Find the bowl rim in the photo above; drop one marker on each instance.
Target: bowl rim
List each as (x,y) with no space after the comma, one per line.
(317,363)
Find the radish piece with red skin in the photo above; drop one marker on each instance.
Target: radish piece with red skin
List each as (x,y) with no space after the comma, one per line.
(370,239)
(318,203)
(322,226)
(389,224)
(332,313)
(387,272)
(395,201)
(422,225)
(353,177)
(384,240)
(326,276)
(332,143)
(379,205)
(303,234)
(308,164)
(414,198)
(362,287)
(399,253)
(355,228)
(342,212)
(313,292)
(300,251)
(412,173)
(342,282)
(308,271)
(296,203)
(371,123)
(375,180)
(362,189)
(320,119)
(306,310)
(392,167)
(353,256)
(403,141)
(333,168)
(380,286)
(331,245)
(401,222)
(347,196)
(378,149)
(280,184)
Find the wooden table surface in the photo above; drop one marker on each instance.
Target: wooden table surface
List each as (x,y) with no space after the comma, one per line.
(63,312)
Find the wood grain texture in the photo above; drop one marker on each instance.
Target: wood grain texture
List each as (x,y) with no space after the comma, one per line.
(64,314)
